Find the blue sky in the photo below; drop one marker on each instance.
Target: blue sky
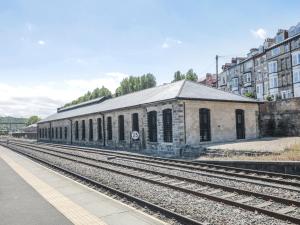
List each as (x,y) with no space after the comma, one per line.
(53,51)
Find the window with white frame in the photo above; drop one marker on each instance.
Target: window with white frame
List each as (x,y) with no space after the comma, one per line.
(296,75)
(286,94)
(247,78)
(272,67)
(259,76)
(266,87)
(296,58)
(258,89)
(274,81)
(235,82)
(275,51)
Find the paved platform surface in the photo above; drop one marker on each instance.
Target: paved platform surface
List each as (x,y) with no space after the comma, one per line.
(34,195)
(259,145)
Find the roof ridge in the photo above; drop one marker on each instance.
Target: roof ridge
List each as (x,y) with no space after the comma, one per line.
(228,92)
(180,89)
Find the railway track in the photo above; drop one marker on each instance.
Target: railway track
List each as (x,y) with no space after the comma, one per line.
(278,178)
(247,200)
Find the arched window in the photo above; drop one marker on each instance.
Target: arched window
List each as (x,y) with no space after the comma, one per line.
(66,132)
(167,125)
(52,136)
(56,132)
(109,128)
(45,132)
(135,122)
(83,130)
(240,123)
(76,130)
(91,135)
(60,132)
(204,119)
(152,126)
(121,128)
(99,128)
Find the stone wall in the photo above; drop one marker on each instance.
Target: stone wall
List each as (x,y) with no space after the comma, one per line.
(280,118)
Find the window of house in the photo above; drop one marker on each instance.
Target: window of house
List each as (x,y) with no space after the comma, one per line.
(91,135)
(99,128)
(266,87)
(274,81)
(286,94)
(275,51)
(109,128)
(121,128)
(235,82)
(76,131)
(247,78)
(56,132)
(259,76)
(83,130)
(272,66)
(49,132)
(296,58)
(60,132)
(66,132)
(282,62)
(167,125)
(204,119)
(152,126)
(258,91)
(135,122)
(52,133)
(296,76)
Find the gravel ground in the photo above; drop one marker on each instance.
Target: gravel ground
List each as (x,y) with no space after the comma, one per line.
(275,191)
(257,145)
(198,208)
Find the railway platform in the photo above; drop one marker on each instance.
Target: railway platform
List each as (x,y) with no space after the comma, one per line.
(33,194)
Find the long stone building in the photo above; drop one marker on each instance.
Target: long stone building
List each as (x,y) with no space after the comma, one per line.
(169,120)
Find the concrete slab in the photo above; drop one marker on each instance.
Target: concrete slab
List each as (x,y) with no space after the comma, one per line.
(21,204)
(106,209)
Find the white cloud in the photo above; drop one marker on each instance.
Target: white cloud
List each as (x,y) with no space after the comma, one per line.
(41,42)
(43,99)
(169,42)
(259,33)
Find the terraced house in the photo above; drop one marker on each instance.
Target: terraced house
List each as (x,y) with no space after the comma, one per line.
(268,72)
(170,120)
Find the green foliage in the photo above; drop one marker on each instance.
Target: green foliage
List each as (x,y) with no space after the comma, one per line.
(178,76)
(96,93)
(136,83)
(32,120)
(269,98)
(190,75)
(249,95)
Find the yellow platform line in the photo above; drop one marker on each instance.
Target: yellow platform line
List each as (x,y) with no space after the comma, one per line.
(75,213)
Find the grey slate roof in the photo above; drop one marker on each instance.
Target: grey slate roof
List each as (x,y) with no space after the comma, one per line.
(177,90)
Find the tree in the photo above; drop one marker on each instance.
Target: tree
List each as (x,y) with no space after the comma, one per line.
(96,93)
(135,83)
(178,76)
(191,75)
(32,120)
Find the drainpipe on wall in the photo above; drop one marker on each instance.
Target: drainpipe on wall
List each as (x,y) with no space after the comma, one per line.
(103,129)
(71,127)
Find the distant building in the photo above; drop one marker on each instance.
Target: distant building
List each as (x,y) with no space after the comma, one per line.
(210,80)
(29,132)
(271,71)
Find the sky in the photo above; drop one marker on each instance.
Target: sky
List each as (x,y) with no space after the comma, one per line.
(53,51)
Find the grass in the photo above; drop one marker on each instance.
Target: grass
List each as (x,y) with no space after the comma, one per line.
(289,154)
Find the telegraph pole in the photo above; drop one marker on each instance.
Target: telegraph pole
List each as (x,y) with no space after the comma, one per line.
(217,67)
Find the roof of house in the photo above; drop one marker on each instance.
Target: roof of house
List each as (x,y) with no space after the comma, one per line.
(178,90)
